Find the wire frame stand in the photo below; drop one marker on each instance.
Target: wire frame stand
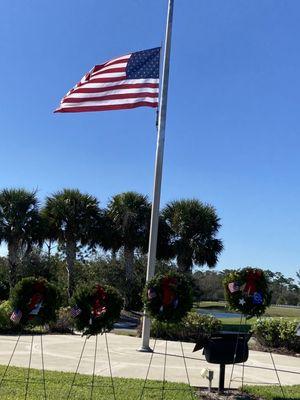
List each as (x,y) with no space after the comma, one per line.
(277,375)
(93,383)
(164,388)
(4,378)
(234,357)
(243,365)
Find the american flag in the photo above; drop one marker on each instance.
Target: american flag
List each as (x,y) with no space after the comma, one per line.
(75,311)
(233,287)
(125,82)
(16,316)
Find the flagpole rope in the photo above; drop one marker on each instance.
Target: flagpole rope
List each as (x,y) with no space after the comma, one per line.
(148,370)
(186,371)
(77,368)
(109,363)
(281,388)
(164,373)
(10,359)
(94,367)
(43,365)
(29,367)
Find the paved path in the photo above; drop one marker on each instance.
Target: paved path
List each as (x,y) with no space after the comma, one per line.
(61,353)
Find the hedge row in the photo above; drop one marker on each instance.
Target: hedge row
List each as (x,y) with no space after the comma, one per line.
(277,333)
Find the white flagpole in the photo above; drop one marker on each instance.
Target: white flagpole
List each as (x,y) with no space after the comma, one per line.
(158,168)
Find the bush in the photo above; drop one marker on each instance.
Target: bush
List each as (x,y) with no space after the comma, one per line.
(189,329)
(277,333)
(5,312)
(64,322)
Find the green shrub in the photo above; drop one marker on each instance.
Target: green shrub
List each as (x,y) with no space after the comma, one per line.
(5,313)
(64,322)
(189,329)
(276,333)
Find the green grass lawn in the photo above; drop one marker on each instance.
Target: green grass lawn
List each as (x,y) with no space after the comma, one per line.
(273,311)
(58,385)
(274,392)
(232,324)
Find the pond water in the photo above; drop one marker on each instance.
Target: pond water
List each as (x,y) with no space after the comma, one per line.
(218,313)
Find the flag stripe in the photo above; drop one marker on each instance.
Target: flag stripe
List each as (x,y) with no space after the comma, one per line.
(111,97)
(113,91)
(118,60)
(103,88)
(109,102)
(143,82)
(120,68)
(107,108)
(107,74)
(106,80)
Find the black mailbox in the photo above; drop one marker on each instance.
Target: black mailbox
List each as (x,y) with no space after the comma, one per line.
(227,348)
(224,348)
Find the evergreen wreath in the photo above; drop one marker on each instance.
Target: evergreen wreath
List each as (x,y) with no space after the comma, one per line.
(96,308)
(35,301)
(168,297)
(247,291)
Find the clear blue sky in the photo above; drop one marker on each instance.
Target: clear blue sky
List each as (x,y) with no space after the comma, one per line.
(233,129)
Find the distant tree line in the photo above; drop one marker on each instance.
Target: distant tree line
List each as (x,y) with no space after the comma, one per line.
(62,238)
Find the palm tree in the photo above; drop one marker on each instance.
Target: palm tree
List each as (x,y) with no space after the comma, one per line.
(19,225)
(73,218)
(193,226)
(130,215)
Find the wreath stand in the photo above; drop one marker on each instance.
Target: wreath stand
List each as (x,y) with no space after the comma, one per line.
(164,389)
(240,332)
(247,291)
(93,385)
(168,297)
(6,378)
(34,302)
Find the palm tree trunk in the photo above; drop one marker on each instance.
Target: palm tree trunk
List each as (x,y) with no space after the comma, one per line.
(13,260)
(184,264)
(128,258)
(70,260)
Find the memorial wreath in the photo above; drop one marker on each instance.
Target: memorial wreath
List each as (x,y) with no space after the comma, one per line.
(96,308)
(168,297)
(34,302)
(247,291)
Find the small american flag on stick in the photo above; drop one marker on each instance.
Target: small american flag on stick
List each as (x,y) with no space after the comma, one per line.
(125,82)
(16,316)
(75,311)
(233,287)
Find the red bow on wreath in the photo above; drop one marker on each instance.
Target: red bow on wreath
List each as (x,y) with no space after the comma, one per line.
(35,304)
(252,279)
(168,291)
(98,307)
(39,287)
